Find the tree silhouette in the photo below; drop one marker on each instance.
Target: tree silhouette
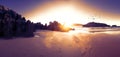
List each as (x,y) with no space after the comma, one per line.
(13,24)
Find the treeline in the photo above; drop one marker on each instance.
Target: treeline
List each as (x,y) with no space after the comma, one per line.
(14,25)
(54,26)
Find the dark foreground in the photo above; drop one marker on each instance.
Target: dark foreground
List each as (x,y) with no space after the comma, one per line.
(63,44)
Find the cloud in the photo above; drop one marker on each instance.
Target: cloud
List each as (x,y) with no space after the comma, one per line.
(107,5)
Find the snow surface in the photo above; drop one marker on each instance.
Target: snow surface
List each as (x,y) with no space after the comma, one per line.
(63,44)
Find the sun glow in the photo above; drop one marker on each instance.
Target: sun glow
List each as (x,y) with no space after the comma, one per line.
(69,12)
(65,14)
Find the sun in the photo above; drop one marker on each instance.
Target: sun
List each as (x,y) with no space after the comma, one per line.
(65,14)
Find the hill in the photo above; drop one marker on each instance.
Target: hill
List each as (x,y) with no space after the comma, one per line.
(95,24)
(13,24)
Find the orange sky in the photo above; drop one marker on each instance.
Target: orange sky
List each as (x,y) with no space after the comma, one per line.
(81,12)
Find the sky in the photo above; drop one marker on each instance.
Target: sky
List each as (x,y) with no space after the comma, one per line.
(107,11)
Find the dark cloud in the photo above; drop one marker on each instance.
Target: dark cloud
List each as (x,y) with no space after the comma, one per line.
(21,5)
(107,5)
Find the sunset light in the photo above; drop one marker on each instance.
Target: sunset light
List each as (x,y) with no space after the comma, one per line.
(59,28)
(69,12)
(65,14)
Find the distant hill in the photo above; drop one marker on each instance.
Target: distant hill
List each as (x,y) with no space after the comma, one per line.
(95,24)
(76,24)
